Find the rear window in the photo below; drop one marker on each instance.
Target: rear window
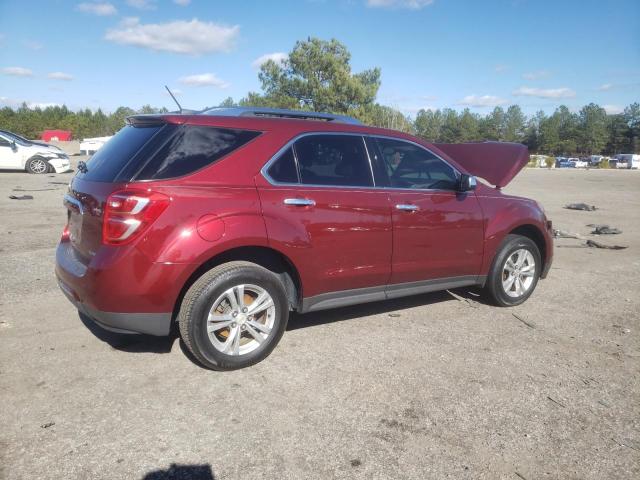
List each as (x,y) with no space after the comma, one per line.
(191,148)
(107,162)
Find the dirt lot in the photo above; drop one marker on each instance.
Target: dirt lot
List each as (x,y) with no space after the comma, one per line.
(425,387)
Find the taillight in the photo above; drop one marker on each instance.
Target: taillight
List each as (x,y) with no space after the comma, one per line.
(65,233)
(128,213)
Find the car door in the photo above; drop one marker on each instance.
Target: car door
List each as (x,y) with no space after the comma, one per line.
(322,211)
(437,231)
(9,157)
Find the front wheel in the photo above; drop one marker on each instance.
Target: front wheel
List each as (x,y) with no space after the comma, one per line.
(37,165)
(234,315)
(515,271)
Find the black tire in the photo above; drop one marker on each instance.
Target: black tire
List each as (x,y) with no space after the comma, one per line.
(494,287)
(37,165)
(199,299)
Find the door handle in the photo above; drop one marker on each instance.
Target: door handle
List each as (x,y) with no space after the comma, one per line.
(299,202)
(407,207)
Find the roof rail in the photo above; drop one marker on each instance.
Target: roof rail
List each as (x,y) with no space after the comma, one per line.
(278,113)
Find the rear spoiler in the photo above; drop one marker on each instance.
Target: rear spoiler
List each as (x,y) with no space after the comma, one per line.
(496,162)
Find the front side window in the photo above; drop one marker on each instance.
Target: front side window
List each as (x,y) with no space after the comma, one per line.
(4,142)
(339,160)
(410,166)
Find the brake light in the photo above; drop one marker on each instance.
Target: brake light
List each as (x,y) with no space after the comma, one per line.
(65,233)
(128,213)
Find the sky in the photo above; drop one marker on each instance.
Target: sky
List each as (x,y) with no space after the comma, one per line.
(458,54)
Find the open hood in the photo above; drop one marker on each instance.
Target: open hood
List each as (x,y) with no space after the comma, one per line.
(496,162)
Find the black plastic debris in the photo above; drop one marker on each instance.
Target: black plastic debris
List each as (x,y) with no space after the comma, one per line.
(581,206)
(593,243)
(21,197)
(604,230)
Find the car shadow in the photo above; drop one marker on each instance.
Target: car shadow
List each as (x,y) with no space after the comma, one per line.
(131,342)
(323,317)
(182,472)
(140,343)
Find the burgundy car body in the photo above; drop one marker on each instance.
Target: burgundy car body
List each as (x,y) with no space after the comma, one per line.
(352,246)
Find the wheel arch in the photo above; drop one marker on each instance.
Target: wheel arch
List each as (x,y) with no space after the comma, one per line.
(533,233)
(266,257)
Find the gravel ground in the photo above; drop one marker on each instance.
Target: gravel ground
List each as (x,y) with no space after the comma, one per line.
(424,387)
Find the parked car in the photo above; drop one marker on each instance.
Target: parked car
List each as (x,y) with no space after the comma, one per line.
(563,162)
(18,153)
(628,160)
(89,146)
(225,221)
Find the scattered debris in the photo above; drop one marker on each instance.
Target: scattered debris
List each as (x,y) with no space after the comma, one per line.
(604,404)
(528,324)
(604,230)
(48,424)
(468,301)
(355,462)
(556,402)
(519,475)
(394,314)
(21,197)
(581,206)
(33,189)
(563,234)
(627,443)
(593,243)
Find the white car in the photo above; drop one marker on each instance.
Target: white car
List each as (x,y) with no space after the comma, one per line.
(18,153)
(90,146)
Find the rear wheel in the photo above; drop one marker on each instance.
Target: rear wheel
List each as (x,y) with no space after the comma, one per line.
(515,271)
(234,315)
(37,165)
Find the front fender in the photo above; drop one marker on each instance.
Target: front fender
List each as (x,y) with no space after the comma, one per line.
(505,214)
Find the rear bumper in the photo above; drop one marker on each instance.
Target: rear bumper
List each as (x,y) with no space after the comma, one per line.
(158,324)
(126,295)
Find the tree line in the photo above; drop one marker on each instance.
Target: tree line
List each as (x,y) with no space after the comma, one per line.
(316,75)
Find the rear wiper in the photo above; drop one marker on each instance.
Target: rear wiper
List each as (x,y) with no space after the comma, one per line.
(82,166)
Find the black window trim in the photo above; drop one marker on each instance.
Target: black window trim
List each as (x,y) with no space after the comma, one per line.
(265,169)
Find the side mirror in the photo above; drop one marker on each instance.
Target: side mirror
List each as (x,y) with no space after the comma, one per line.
(14,147)
(467,183)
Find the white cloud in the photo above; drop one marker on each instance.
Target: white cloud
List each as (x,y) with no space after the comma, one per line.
(12,102)
(60,76)
(544,92)
(191,38)
(613,109)
(501,68)
(605,86)
(142,4)
(538,74)
(482,101)
(203,80)
(17,71)
(182,3)
(97,8)
(278,57)
(410,4)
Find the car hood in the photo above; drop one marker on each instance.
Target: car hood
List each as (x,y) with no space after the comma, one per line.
(48,145)
(496,162)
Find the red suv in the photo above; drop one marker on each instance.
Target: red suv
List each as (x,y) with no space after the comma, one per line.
(226,220)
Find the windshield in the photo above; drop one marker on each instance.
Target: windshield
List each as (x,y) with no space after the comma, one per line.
(17,138)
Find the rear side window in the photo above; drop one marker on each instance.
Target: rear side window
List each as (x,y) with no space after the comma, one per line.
(339,160)
(191,148)
(107,162)
(284,170)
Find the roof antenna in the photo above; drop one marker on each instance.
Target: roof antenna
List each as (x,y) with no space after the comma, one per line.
(174,99)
